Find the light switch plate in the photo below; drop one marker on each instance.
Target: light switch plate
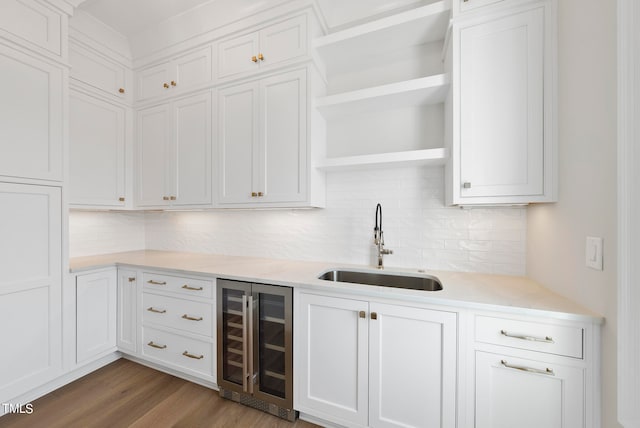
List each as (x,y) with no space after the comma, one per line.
(593,253)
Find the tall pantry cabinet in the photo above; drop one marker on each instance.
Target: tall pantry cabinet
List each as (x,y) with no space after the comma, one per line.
(34,70)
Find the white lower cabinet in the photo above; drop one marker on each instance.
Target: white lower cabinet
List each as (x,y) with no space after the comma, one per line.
(362,363)
(524,393)
(127,310)
(95,314)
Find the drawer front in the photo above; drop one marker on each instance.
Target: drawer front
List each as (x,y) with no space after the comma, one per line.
(548,338)
(179,351)
(194,317)
(177,284)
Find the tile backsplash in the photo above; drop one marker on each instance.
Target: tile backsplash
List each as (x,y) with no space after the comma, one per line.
(420,230)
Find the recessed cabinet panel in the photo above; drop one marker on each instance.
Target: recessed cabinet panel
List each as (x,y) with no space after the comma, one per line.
(97,71)
(283,41)
(284,157)
(153,135)
(235,55)
(32,22)
(514,392)
(192,136)
(30,117)
(238,132)
(96,151)
(153,81)
(193,68)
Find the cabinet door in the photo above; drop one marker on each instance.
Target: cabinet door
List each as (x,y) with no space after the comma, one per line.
(32,22)
(96,151)
(192,69)
(502,77)
(283,41)
(97,71)
(95,314)
(514,392)
(31,119)
(153,81)
(283,148)
(238,153)
(413,360)
(154,134)
(126,321)
(332,350)
(30,287)
(192,151)
(236,55)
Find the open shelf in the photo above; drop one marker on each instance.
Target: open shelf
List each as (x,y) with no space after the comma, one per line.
(409,93)
(414,27)
(407,158)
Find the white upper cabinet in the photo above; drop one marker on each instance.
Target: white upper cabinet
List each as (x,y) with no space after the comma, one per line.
(100,73)
(262,142)
(33,24)
(503,100)
(97,141)
(174,153)
(184,72)
(269,47)
(31,117)
(461,6)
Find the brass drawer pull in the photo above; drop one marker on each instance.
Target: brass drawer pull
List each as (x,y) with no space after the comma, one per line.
(153,345)
(546,339)
(186,287)
(132,279)
(187,317)
(195,357)
(547,371)
(156,311)
(151,281)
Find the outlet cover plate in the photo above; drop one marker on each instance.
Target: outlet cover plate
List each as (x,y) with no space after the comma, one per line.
(593,253)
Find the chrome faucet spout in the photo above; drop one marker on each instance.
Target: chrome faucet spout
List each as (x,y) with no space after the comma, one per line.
(378,238)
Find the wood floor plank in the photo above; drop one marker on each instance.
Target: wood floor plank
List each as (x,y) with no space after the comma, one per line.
(125,394)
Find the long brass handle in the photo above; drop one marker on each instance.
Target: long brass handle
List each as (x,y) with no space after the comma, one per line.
(151,281)
(250,343)
(153,345)
(547,371)
(254,59)
(245,344)
(186,287)
(195,357)
(187,317)
(157,311)
(261,57)
(546,339)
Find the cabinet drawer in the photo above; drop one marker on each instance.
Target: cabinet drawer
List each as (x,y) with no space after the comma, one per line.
(548,338)
(194,317)
(179,351)
(178,284)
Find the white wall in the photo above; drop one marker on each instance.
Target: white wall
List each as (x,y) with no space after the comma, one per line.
(418,228)
(587,176)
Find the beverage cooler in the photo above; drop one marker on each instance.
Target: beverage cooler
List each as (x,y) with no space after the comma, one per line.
(255,362)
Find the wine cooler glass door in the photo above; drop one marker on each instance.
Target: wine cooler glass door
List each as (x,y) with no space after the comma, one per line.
(272,344)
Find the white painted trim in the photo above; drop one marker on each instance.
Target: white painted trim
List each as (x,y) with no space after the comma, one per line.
(628,209)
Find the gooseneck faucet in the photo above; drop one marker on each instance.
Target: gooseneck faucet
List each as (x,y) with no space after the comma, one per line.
(378,237)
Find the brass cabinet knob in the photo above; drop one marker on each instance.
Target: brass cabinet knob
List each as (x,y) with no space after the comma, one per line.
(121,90)
(172,198)
(466,185)
(374,315)
(165,85)
(121,199)
(165,198)
(261,57)
(254,194)
(173,83)
(254,59)
(362,314)
(260,194)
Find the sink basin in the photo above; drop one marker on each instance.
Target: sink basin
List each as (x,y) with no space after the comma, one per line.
(423,282)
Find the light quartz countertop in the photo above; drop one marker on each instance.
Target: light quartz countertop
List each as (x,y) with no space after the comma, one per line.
(502,293)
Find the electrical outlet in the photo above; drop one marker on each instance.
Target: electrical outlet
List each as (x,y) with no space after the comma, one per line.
(593,253)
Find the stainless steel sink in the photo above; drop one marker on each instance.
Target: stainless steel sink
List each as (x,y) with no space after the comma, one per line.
(421,282)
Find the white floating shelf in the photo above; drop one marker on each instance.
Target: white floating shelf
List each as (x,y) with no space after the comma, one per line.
(396,159)
(414,27)
(409,93)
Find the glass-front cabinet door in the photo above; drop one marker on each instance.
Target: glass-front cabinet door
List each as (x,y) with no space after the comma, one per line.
(272,343)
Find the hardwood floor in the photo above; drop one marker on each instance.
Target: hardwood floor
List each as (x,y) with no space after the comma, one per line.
(126,394)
